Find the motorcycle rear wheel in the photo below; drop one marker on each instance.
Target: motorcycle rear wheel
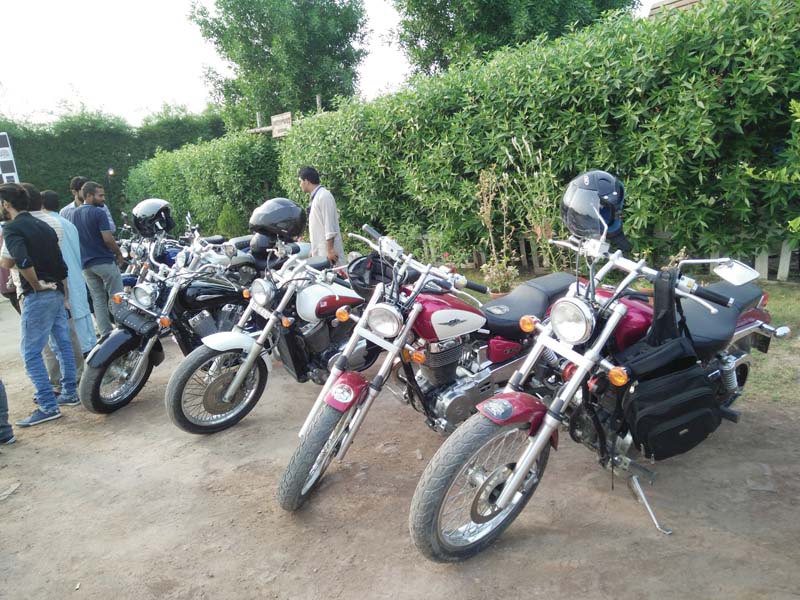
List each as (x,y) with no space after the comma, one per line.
(109,387)
(452,514)
(193,395)
(312,457)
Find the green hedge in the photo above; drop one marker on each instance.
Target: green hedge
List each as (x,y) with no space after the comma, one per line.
(675,106)
(220,181)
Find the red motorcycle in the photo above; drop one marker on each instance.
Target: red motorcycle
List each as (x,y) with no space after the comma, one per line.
(446,353)
(658,379)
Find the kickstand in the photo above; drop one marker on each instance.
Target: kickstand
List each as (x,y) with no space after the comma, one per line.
(636,489)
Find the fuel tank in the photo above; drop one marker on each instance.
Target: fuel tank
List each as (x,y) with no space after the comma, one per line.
(206,292)
(636,322)
(444,316)
(321,300)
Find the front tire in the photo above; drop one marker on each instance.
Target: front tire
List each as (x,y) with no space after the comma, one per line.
(110,386)
(194,393)
(312,457)
(452,514)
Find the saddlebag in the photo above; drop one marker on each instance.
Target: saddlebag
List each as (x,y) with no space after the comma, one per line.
(670,407)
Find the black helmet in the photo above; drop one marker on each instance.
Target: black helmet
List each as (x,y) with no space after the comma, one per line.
(152,216)
(260,243)
(279,217)
(592,198)
(366,272)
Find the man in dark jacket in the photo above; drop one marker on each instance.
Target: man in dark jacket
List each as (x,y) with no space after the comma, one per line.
(31,246)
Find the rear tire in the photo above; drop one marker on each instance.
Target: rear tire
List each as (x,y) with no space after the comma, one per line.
(314,451)
(449,467)
(95,399)
(191,371)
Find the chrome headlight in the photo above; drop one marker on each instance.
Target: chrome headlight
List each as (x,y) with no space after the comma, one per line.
(572,320)
(145,294)
(182,259)
(385,320)
(262,291)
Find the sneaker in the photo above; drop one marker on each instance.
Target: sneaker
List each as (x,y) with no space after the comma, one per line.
(39,416)
(8,441)
(67,401)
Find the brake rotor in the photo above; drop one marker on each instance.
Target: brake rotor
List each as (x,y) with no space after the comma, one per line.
(212,398)
(484,507)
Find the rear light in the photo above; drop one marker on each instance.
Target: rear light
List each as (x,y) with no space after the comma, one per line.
(764,299)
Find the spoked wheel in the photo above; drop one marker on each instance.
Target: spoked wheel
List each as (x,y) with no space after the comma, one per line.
(113,385)
(312,457)
(194,396)
(454,514)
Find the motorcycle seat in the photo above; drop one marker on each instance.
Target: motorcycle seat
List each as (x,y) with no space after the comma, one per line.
(530,298)
(242,242)
(745,296)
(213,239)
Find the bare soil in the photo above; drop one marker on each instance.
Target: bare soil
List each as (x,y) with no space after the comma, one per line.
(128,506)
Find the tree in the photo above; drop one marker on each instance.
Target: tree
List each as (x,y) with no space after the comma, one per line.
(436,33)
(283,53)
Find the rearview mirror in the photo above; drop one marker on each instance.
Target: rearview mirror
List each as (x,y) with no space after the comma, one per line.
(735,272)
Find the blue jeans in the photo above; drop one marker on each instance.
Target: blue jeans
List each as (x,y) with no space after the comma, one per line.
(5,428)
(43,315)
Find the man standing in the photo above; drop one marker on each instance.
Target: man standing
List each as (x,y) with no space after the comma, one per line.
(75,185)
(32,246)
(6,431)
(323,218)
(99,252)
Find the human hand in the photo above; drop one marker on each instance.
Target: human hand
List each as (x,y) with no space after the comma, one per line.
(44,286)
(333,257)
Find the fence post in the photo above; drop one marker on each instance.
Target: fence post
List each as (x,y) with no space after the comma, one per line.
(762,265)
(523,255)
(786,259)
(534,255)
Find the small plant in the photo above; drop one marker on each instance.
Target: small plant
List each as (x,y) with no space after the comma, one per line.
(498,271)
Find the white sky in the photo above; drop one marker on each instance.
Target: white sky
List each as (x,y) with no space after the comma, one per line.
(128,58)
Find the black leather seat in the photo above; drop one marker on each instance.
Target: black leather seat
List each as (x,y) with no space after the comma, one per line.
(213,239)
(711,333)
(242,242)
(531,298)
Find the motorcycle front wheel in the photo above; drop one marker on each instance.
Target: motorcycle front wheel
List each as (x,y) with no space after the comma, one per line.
(114,384)
(312,457)
(453,513)
(194,396)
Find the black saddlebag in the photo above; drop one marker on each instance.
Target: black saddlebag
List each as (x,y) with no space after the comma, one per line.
(670,408)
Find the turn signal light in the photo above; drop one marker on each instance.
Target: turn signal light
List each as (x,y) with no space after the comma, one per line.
(528,323)
(287,322)
(117,298)
(418,356)
(342,314)
(618,376)
(164,322)
(246,294)
(568,371)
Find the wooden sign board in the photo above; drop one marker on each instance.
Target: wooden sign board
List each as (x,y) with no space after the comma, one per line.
(281,124)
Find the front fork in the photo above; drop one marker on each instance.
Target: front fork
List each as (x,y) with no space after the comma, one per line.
(258,346)
(555,413)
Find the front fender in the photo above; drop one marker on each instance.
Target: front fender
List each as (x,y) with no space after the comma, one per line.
(225,341)
(516,407)
(119,342)
(348,389)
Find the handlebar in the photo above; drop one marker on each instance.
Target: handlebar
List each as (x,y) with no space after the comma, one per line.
(367,229)
(712,296)
(476,287)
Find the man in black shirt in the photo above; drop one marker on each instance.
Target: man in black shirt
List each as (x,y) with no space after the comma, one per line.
(31,246)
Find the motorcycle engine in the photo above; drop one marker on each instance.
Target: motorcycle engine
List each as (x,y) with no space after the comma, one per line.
(205,324)
(441,362)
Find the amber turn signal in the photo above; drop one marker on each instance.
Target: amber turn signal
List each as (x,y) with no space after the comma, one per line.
(528,323)
(418,356)
(618,376)
(342,314)
(164,322)
(246,294)
(287,322)
(117,298)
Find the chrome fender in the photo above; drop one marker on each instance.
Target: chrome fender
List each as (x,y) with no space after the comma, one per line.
(232,340)
(516,407)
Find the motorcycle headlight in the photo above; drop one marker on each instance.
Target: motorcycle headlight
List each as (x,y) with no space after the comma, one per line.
(385,320)
(182,259)
(145,294)
(572,320)
(262,291)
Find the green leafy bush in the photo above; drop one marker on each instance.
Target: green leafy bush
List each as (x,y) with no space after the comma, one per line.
(219,181)
(674,106)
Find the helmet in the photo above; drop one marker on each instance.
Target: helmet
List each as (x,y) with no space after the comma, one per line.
(260,243)
(366,272)
(279,217)
(591,199)
(152,216)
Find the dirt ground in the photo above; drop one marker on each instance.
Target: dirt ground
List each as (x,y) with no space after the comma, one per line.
(128,506)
